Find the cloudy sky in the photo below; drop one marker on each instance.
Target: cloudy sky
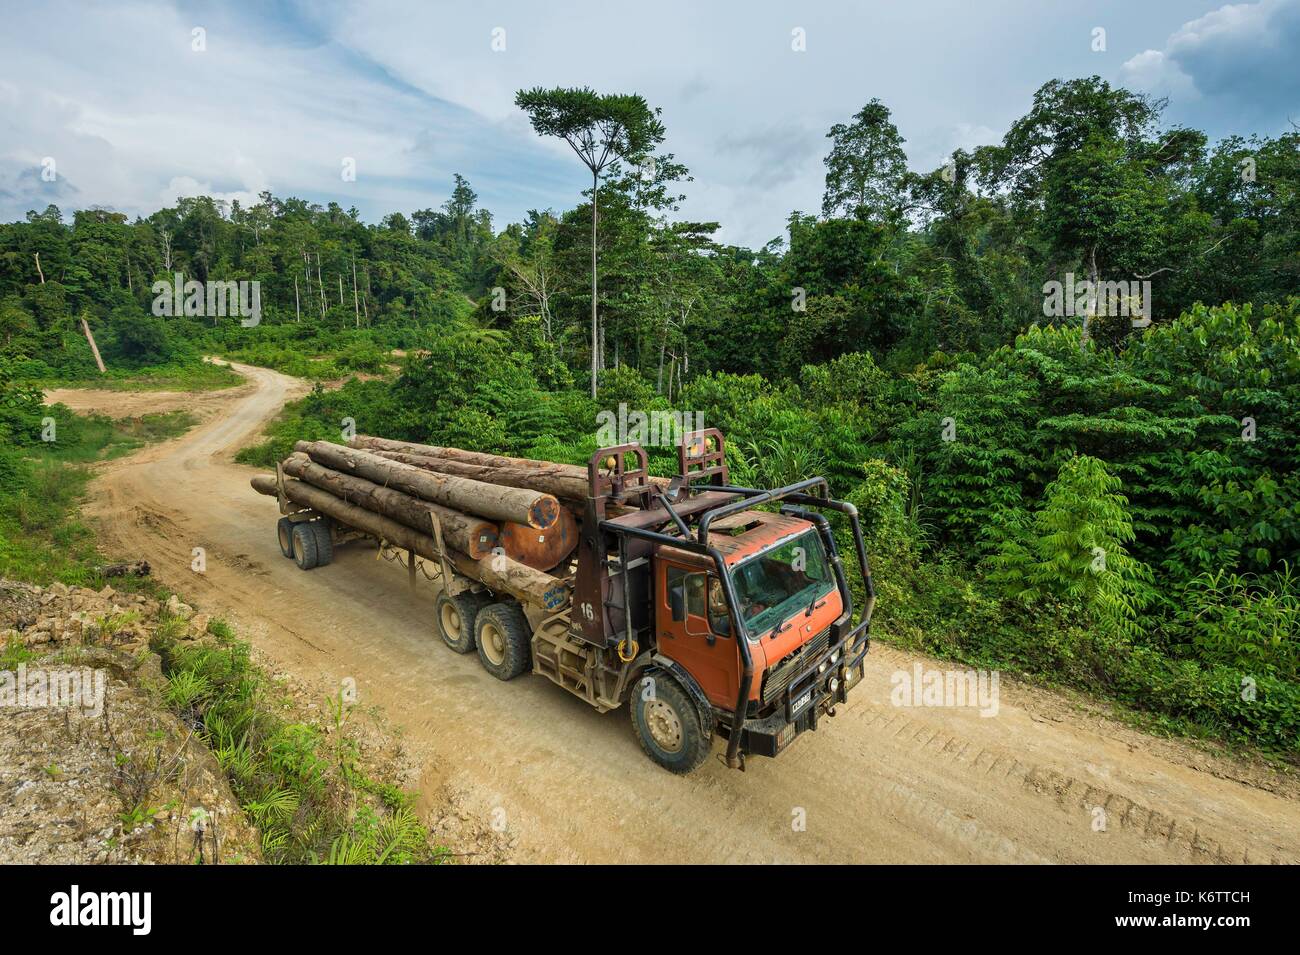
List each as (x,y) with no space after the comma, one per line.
(134,116)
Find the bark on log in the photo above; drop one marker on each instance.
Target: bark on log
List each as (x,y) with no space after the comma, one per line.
(556,480)
(497,572)
(543,549)
(373,443)
(474,536)
(496,463)
(493,501)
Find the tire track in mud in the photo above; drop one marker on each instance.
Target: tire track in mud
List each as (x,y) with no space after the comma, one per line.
(1185,835)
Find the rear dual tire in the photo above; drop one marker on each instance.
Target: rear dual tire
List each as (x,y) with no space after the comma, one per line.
(456,616)
(502,637)
(309,542)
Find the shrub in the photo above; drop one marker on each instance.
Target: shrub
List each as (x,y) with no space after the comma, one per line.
(1075,548)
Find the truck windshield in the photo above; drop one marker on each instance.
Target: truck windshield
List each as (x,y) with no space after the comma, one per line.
(770,586)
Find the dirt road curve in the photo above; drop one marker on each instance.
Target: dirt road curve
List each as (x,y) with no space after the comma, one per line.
(876,784)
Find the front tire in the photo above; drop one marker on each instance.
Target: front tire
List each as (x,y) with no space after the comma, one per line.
(668,725)
(501,634)
(456,617)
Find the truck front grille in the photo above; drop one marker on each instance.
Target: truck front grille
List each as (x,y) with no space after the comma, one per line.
(778,678)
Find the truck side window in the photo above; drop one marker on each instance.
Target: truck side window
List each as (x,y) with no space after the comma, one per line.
(685,593)
(695,595)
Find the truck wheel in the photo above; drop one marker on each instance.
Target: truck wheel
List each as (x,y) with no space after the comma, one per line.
(456,617)
(668,726)
(304,546)
(501,633)
(324,546)
(284,533)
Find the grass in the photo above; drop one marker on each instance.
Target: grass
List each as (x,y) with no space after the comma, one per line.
(42,536)
(186,376)
(303,788)
(97,437)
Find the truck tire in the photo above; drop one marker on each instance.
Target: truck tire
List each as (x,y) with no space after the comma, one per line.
(284,534)
(456,618)
(502,637)
(304,546)
(668,725)
(324,545)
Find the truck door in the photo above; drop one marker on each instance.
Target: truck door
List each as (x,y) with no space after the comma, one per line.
(685,635)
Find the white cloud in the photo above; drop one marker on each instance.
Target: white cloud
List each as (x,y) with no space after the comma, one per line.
(414,92)
(1234,65)
(1153,72)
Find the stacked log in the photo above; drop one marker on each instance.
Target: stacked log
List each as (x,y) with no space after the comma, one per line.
(567,482)
(557,481)
(496,571)
(493,501)
(473,536)
(372,443)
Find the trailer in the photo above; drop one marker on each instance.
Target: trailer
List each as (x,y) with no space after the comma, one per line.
(710,609)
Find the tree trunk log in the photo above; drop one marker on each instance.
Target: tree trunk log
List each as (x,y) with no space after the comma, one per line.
(493,501)
(372,443)
(472,535)
(558,482)
(567,481)
(496,571)
(543,549)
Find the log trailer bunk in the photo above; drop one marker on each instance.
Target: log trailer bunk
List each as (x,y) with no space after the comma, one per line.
(683,601)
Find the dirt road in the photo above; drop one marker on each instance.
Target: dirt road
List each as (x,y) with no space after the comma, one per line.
(1039,782)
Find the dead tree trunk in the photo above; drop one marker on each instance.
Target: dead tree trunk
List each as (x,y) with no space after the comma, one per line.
(94,349)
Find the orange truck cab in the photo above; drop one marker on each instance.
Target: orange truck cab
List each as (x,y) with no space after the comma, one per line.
(733,602)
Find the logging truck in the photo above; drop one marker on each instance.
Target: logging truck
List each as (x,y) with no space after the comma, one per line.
(711,609)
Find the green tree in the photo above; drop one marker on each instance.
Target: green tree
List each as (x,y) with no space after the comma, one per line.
(866,168)
(600,130)
(138,338)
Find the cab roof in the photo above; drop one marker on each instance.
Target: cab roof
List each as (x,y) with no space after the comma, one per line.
(744,534)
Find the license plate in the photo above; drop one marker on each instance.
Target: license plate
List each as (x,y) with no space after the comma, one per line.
(800,703)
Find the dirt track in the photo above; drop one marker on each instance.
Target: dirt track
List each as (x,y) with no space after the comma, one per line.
(875,784)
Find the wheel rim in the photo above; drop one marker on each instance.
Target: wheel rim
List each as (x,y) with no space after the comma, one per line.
(664,724)
(451,622)
(286,540)
(493,642)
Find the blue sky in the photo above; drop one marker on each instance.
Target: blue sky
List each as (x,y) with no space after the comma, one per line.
(281,93)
